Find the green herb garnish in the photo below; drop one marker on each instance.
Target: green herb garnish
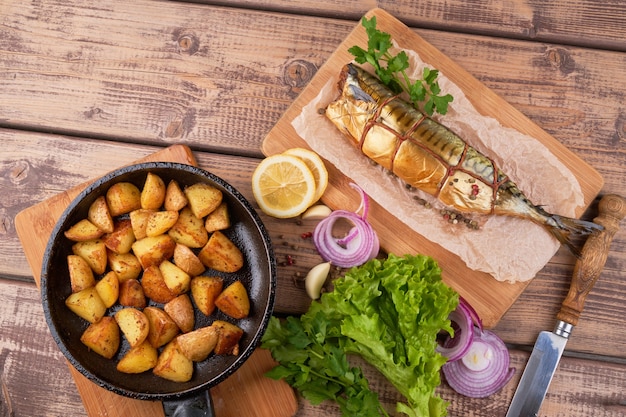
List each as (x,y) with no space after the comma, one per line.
(391,69)
(389,312)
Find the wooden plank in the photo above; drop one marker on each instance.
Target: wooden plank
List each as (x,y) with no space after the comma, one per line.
(587,23)
(489,297)
(129,73)
(38,382)
(34,226)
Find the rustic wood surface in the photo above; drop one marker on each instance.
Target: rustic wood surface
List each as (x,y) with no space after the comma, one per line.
(85,88)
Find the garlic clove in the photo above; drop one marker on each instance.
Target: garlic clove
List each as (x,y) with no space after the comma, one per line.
(315,280)
(316,212)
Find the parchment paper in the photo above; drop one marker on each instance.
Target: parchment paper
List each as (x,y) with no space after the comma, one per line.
(508,248)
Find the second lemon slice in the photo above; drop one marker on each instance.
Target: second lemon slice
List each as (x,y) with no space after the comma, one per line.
(316,165)
(283,186)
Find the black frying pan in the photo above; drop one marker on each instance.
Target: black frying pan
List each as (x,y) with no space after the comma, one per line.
(258,275)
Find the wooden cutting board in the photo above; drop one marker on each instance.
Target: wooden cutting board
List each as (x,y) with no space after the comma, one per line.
(246,393)
(489,297)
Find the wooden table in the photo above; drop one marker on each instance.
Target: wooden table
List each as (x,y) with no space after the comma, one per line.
(85,88)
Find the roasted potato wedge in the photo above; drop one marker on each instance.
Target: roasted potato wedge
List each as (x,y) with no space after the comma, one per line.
(234,301)
(99,215)
(189,230)
(81,274)
(134,325)
(153,250)
(108,288)
(131,294)
(204,291)
(203,198)
(187,260)
(83,230)
(162,328)
(154,286)
(153,192)
(94,252)
(175,198)
(173,365)
(221,254)
(218,219)
(122,198)
(125,265)
(87,304)
(181,311)
(198,344)
(228,339)
(176,279)
(139,222)
(138,359)
(122,238)
(160,222)
(103,337)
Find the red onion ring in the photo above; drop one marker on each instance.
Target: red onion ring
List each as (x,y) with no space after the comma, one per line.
(463,319)
(360,244)
(487,377)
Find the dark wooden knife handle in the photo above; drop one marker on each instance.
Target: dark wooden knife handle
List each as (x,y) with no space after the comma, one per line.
(612,209)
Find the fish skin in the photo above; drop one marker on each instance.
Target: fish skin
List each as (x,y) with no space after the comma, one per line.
(432,158)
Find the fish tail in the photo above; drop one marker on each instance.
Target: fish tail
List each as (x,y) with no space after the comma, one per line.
(565,228)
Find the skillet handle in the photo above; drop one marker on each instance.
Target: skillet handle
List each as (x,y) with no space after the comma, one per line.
(199,405)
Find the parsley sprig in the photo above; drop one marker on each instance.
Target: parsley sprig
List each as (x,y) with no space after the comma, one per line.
(391,69)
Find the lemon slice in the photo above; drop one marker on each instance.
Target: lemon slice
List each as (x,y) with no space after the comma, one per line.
(316,165)
(283,186)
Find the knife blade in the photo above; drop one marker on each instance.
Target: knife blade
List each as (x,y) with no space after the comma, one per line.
(548,349)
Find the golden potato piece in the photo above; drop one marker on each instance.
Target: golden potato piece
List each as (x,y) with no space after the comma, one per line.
(187,260)
(198,344)
(175,278)
(234,301)
(173,365)
(81,274)
(154,286)
(139,222)
(218,219)
(181,311)
(125,265)
(82,231)
(122,238)
(204,291)
(87,304)
(102,337)
(175,198)
(203,198)
(221,254)
(153,250)
(122,198)
(138,359)
(189,230)
(228,339)
(131,294)
(94,252)
(160,222)
(162,328)
(153,192)
(108,288)
(99,215)
(134,325)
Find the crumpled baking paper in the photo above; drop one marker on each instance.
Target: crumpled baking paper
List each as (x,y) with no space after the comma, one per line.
(510,249)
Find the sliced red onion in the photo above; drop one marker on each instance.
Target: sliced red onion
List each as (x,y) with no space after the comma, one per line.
(483,370)
(359,245)
(463,320)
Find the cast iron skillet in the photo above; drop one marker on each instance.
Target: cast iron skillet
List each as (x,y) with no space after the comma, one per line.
(258,275)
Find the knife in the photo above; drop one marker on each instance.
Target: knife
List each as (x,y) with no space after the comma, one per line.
(549,346)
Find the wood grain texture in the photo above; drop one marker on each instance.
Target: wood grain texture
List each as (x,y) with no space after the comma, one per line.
(39,383)
(594,24)
(167,72)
